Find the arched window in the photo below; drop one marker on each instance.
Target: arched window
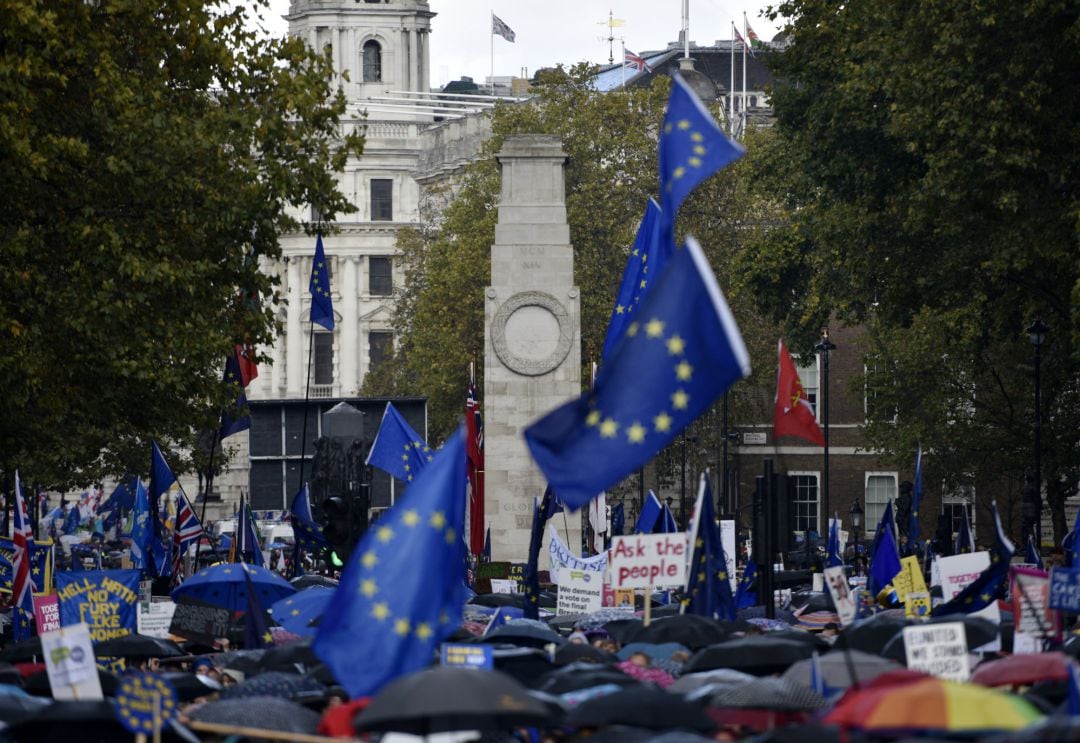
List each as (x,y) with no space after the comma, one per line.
(372,62)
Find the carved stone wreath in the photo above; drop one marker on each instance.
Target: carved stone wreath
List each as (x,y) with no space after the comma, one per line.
(531,367)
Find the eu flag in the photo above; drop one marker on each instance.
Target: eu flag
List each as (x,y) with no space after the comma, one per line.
(397,448)
(543,510)
(236,417)
(708,589)
(991,583)
(692,147)
(834,558)
(681,351)
(322,304)
(162,482)
(306,531)
(402,591)
(746,590)
(647,259)
(141,530)
(884,563)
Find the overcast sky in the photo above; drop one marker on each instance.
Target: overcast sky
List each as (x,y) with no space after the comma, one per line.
(567,31)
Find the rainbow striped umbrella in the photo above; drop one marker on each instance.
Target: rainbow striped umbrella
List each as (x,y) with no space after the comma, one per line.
(931,704)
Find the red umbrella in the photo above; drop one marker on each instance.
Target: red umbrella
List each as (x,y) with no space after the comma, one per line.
(1023,669)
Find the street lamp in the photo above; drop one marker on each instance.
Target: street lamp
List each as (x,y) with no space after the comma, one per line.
(824,348)
(1037,332)
(856,514)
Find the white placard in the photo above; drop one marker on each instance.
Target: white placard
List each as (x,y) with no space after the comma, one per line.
(938,649)
(842,596)
(644,560)
(580,592)
(562,557)
(70,663)
(727,539)
(154,619)
(956,572)
(503,585)
(818,582)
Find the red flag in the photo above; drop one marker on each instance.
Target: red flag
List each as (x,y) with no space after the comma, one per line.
(793,415)
(474,452)
(245,359)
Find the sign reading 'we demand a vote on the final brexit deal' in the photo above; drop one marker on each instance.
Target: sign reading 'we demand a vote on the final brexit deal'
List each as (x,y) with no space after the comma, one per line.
(105,600)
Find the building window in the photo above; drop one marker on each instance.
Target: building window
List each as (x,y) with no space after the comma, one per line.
(380,344)
(880,489)
(804,501)
(808,375)
(380,276)
(323,359)
(382,200)
(372,62)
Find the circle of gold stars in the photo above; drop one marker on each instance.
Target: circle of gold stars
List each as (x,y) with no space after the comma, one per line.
(135,701)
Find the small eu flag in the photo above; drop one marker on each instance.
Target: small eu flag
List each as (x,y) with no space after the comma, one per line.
(692,148)
(833,557)
(543,510)
(651,509)
(397,448)
(708,587)
(141,530)
(402,592)
(884,562)
(746,591)
(306,531)
(680,353)
(991,583)
(648,255)
(322,305)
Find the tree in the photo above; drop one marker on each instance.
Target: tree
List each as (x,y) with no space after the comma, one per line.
(928,156)
(148,149)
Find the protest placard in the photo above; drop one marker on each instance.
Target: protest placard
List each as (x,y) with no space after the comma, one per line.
(145,702)
(580,592)
(911,588)
(156,618)
(1030,592)
(197,620)
(836,580)
(468,656)
(938,649)
(517,574)
(727,540)
(562,557)
(103,599)
(70,665)
(1065,589)
(644,560)
(503,585)
(47,613)
(956,572)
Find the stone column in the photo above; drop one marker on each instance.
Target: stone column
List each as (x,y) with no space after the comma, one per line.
(532,349)
(349,326)
(294,349)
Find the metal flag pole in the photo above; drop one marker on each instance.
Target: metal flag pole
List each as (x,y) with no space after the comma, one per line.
(731,88)
(491,38)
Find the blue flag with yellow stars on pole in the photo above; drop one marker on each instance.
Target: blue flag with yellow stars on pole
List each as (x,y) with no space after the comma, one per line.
(397,448)
(680,353)
(543,510)
(402,592)
(833,558)
(692,148)
(322,304)
(708,588)
(746,589)
(648,255)
(991,583)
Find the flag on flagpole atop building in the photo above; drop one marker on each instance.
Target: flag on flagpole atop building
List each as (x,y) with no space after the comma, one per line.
(635,62)
(322,304)
(680,354)
(499,28)
(793,415)
(753,39)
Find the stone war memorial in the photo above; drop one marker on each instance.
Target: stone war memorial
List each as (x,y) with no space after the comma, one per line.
(532,345)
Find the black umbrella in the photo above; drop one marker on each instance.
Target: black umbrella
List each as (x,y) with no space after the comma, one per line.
(448,698)
(639,706)
(524,664)
(779,694)
(23,651)
(268,713)
(286,657)
(137,646)
(623,631)
(245,661)
(758,612)
(87,722)
(190,686)
(813,601)
(276,684)
(801,635)
(691,630)
(577,676)
(760,655)
(307,581)
(38,683)
(870,635)
(17,707)
(977,630)
(523,635)
(574,652)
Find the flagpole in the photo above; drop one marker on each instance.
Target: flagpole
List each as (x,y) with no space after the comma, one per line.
(491,35)
(623,44)
(731,88)
(745,46)
(307,398)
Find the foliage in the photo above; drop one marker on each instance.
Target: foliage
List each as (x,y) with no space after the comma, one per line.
(148,149)
(928,156)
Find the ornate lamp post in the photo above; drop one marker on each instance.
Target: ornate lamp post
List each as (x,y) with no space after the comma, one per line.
(1037,332)
(856,514)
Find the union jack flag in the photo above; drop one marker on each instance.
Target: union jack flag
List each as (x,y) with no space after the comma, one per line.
(635,62)
(22,594)
(188,530)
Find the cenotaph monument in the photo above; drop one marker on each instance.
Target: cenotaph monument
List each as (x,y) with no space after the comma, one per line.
(532,345)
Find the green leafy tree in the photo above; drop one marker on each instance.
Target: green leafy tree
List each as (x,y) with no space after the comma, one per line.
(148,150)
(927,154)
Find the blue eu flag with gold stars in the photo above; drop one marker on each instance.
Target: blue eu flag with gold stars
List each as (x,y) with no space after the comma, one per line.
(404,587)
(991,583)
(648,255)
(708,587)
(692,147)
(681,351)
(397,448)
(322,305)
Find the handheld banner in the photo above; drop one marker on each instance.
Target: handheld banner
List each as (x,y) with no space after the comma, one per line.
(562,557)
(69,662)
(580,592)
(1065,589)
(837,583)
(1029,588)
(938,649)
(105,600)
(47,613)
(644,560)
